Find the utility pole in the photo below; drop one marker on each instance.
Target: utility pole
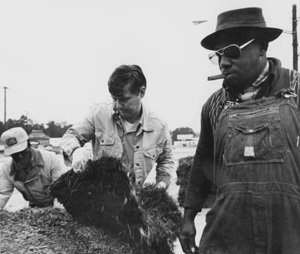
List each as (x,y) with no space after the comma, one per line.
(5,87)
(295,39)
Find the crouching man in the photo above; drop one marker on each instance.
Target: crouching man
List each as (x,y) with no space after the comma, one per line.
(29,170)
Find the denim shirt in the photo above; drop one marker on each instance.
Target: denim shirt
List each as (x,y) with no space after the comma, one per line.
(101,125)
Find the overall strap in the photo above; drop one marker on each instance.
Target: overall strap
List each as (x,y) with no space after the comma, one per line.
(294,78)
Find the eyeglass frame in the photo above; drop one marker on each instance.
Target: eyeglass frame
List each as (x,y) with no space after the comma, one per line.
(220,52)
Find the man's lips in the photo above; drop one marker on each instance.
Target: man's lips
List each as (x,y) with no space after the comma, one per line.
(228,74)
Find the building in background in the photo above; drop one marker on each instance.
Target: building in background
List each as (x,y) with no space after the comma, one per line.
(186,140)
(38,139)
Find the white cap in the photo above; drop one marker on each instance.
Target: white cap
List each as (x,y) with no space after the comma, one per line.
(15,140)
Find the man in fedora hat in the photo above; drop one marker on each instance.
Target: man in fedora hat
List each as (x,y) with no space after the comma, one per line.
(30,171)
(249,146)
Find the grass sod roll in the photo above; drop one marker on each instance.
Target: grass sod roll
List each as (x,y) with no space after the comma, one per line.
(146,218)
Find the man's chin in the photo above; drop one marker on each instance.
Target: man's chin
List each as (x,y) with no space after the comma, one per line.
(235,85)
(231,78)
(123,115)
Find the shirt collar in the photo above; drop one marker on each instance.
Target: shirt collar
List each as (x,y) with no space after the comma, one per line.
(251,91)
(263,76)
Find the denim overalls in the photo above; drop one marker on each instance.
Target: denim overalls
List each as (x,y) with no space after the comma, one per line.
(257,171)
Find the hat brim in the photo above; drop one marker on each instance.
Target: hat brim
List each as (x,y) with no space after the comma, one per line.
(267,33)
(15,148)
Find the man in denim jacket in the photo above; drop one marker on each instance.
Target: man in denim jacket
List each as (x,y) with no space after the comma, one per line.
(248,148)
(125,129)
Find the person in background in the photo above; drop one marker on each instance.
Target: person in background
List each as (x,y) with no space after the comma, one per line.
(248,147)
(29,170)
(124,129)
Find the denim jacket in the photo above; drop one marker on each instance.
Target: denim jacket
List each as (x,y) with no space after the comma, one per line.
(103,127)
(45,168)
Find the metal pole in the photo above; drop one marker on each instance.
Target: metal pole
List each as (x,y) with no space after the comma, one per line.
(295,39)
(5,107)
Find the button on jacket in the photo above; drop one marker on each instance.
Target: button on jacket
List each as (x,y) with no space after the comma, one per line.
(45,168)
(102,126)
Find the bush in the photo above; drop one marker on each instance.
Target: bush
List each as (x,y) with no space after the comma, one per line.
(183,174)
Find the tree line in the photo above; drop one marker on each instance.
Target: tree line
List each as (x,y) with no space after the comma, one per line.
(51,129)
(57,130)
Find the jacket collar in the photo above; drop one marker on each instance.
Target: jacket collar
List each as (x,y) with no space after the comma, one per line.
(145,121)
(275,67)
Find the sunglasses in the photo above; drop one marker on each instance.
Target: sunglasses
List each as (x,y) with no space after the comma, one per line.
(232,51)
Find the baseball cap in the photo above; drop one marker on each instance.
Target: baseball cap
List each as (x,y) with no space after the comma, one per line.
(15,140)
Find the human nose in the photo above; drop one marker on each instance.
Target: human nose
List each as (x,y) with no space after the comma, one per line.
(224,61)
(117,104)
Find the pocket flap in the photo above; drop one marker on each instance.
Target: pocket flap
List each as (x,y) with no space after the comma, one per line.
(251,129)
(107,141)
(152,153)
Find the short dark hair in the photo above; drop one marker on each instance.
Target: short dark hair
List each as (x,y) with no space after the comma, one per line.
(124,75)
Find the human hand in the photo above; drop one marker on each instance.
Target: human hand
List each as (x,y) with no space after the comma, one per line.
(161,185)
(187,236)
(80,157)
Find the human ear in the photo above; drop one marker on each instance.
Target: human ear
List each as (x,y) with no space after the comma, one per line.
(263,47)
(142,91)
(262,51)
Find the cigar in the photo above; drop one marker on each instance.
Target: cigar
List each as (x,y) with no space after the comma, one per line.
(219,76)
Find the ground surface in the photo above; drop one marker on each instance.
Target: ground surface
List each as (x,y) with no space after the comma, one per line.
(50,230)
(31,240)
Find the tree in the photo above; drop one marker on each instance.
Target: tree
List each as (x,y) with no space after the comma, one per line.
(56,130)
(2,128)
(181,131)
(53,129)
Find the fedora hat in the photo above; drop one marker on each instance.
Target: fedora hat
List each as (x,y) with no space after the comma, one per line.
(239,19)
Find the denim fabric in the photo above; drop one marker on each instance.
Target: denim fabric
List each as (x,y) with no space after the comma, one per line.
(257,171)
(152,143)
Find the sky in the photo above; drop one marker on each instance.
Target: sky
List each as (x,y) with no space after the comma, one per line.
(56,56)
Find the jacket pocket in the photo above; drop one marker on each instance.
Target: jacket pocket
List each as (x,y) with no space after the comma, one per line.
(37,190)
(105,140)
(106,144)
(151,157)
